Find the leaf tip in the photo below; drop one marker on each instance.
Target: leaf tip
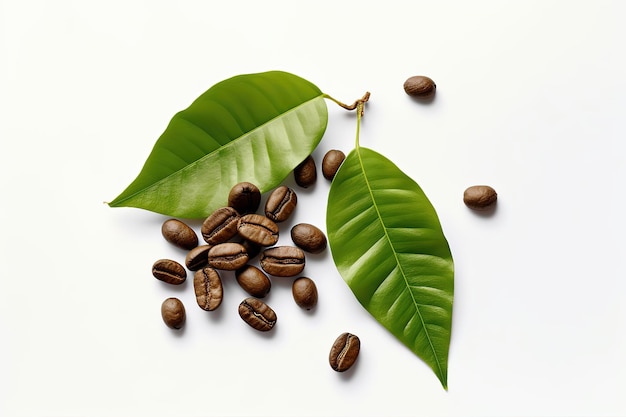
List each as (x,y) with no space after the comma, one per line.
(444,382)
(112,203)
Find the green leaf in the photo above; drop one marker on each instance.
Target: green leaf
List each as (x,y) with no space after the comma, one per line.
(388,245)
(254,127)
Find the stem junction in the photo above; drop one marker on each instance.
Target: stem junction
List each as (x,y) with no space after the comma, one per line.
(359,106)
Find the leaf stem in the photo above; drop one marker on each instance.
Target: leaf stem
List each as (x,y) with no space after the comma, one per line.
(359,114)
(359,105)
(354,105)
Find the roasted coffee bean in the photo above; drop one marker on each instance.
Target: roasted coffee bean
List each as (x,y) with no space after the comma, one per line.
(344,352)
(253,281)
(169,271)
(244,197)
(208,287)
(173,313)
(258,229)
(179,234)
(220,226)
(305,173)
(304,292)
(331,163)
(228,256)
(251,248)
(308,237)
(283,261)
(480,197)
(281,203)
(198,257)
(257,314)
(420,86)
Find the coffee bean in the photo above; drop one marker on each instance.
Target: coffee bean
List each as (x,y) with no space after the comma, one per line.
(308,237)
(244,197)
(480,197)
(344,352)
(420,86)
(198,257)
(169,271)
(257,314)
(179,234)
(283,261)
(304,293)
(251,248)
(331,163)
(208,287)
(253,281)
(281,203)
(228,256)
(258,229)
(305,174)
(173,313)
(220,226)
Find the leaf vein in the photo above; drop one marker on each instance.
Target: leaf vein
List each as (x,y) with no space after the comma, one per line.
(395,254)
(194,164)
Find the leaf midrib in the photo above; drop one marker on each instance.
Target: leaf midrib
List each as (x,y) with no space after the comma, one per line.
(395,255)
(227,145)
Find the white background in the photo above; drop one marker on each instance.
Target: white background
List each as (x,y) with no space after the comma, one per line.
(530,100)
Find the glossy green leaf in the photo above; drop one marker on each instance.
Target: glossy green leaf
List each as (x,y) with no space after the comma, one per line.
(254,127)
(389,247)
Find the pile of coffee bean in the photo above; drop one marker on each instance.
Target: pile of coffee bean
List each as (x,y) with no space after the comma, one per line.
(236,234)
(233,236)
